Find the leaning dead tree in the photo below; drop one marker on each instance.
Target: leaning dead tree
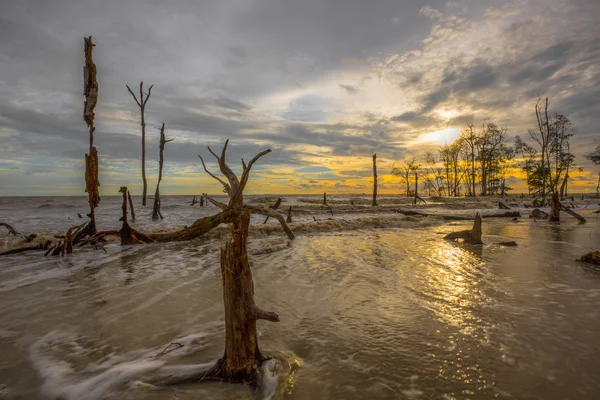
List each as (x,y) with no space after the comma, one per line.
(374,180)
(556,207)
(471,236)
(90,91)
(142,105)
(242,356)
(156,209)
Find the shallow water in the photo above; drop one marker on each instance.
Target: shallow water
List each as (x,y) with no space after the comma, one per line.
(370,313)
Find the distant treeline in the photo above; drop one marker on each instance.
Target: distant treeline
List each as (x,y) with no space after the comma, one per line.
(477,163)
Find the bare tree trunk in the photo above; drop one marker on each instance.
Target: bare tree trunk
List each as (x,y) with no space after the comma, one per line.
(142,104)
(91,159)
(131,206)
(598,186)
(125,232)
(555,208)
(325,198)
(156,208)
(374,203)
(289,216)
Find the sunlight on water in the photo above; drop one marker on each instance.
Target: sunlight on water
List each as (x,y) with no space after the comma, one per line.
(365,313)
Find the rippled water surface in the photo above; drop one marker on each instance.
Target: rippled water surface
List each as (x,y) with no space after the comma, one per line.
(370,313)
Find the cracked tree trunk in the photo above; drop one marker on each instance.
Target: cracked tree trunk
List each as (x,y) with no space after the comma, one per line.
(91,159)
(242,356)
(374,203)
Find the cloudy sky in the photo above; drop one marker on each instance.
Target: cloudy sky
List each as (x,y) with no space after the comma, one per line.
(323,83)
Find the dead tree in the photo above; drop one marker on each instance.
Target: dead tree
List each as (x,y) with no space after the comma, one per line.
(90,91)
(554,208)
(289,216)
(156,209)
(471,236)
(242,357)
(201,201)
(417,197)
(374,203)
(273,207)
(324,198)
(142,105)
(131,206)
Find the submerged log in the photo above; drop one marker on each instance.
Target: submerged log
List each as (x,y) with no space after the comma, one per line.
(507,214)
(511,243)
(503,206)
(471,236)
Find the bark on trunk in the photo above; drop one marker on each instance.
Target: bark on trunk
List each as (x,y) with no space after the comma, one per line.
(374,203)
(91,159)
(131,206)
(555,208)
(242,356)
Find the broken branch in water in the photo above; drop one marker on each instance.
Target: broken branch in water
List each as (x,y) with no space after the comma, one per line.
(273,207)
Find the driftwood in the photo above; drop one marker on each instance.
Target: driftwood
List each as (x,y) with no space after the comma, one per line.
(242,357)
(471,236)
(273,207)
(374,203)
(289,216)
(128,234)
(156,208)
(40,246)
(591,258)
(142,105)
(503,206)
(511,243)
(507,214)
(11,230)
(90,91)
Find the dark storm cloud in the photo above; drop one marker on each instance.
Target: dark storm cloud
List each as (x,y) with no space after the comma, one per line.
(219,66)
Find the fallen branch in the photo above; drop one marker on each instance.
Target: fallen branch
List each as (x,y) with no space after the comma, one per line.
(274,207)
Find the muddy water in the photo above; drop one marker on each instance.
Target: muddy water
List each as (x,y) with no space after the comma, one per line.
(387,314)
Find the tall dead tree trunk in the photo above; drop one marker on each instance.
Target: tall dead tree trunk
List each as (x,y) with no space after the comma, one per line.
(374,203)
(289,216)
(91,159)
(325,198)
(156,208)
(142,105)
(242,357)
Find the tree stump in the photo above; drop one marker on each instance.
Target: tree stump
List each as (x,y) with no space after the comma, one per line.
(471,236)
